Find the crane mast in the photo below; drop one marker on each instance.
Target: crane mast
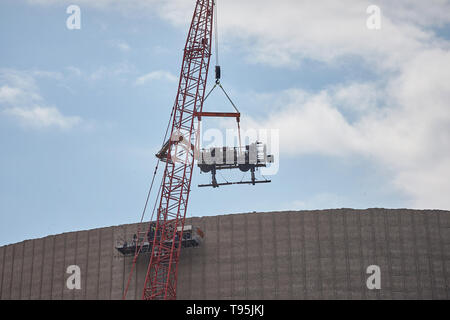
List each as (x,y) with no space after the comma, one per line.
(161,277)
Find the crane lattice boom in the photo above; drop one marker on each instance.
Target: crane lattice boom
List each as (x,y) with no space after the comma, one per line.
(161,277)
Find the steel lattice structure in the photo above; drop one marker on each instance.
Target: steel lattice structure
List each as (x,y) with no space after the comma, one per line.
(161,277)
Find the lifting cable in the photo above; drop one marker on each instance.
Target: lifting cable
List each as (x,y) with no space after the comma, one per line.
(218,72)
(232,103)
(223,177)
(155,172)
(138,249)
(149,192)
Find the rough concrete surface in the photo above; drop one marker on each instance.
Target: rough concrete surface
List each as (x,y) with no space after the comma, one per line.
(275,255)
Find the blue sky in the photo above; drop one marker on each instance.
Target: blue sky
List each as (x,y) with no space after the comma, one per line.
(363,114)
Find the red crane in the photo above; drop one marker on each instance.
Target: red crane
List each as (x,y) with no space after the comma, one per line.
(165,237)
(161,278)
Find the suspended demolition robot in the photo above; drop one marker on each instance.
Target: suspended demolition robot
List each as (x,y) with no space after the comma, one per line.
(248,158)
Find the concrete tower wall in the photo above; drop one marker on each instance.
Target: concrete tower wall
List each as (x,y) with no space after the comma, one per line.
(274,255)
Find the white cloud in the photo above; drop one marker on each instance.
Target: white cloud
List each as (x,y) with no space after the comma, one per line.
(112,71)
(46,74)
(19,80)
(121,45)
(20,98)
(9,95)
(419,12)
(409,136)
(42,117)
(135,6)
(74,70)
(115,71)
(285,32)
(356,97)
(156,75)
(310,124)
